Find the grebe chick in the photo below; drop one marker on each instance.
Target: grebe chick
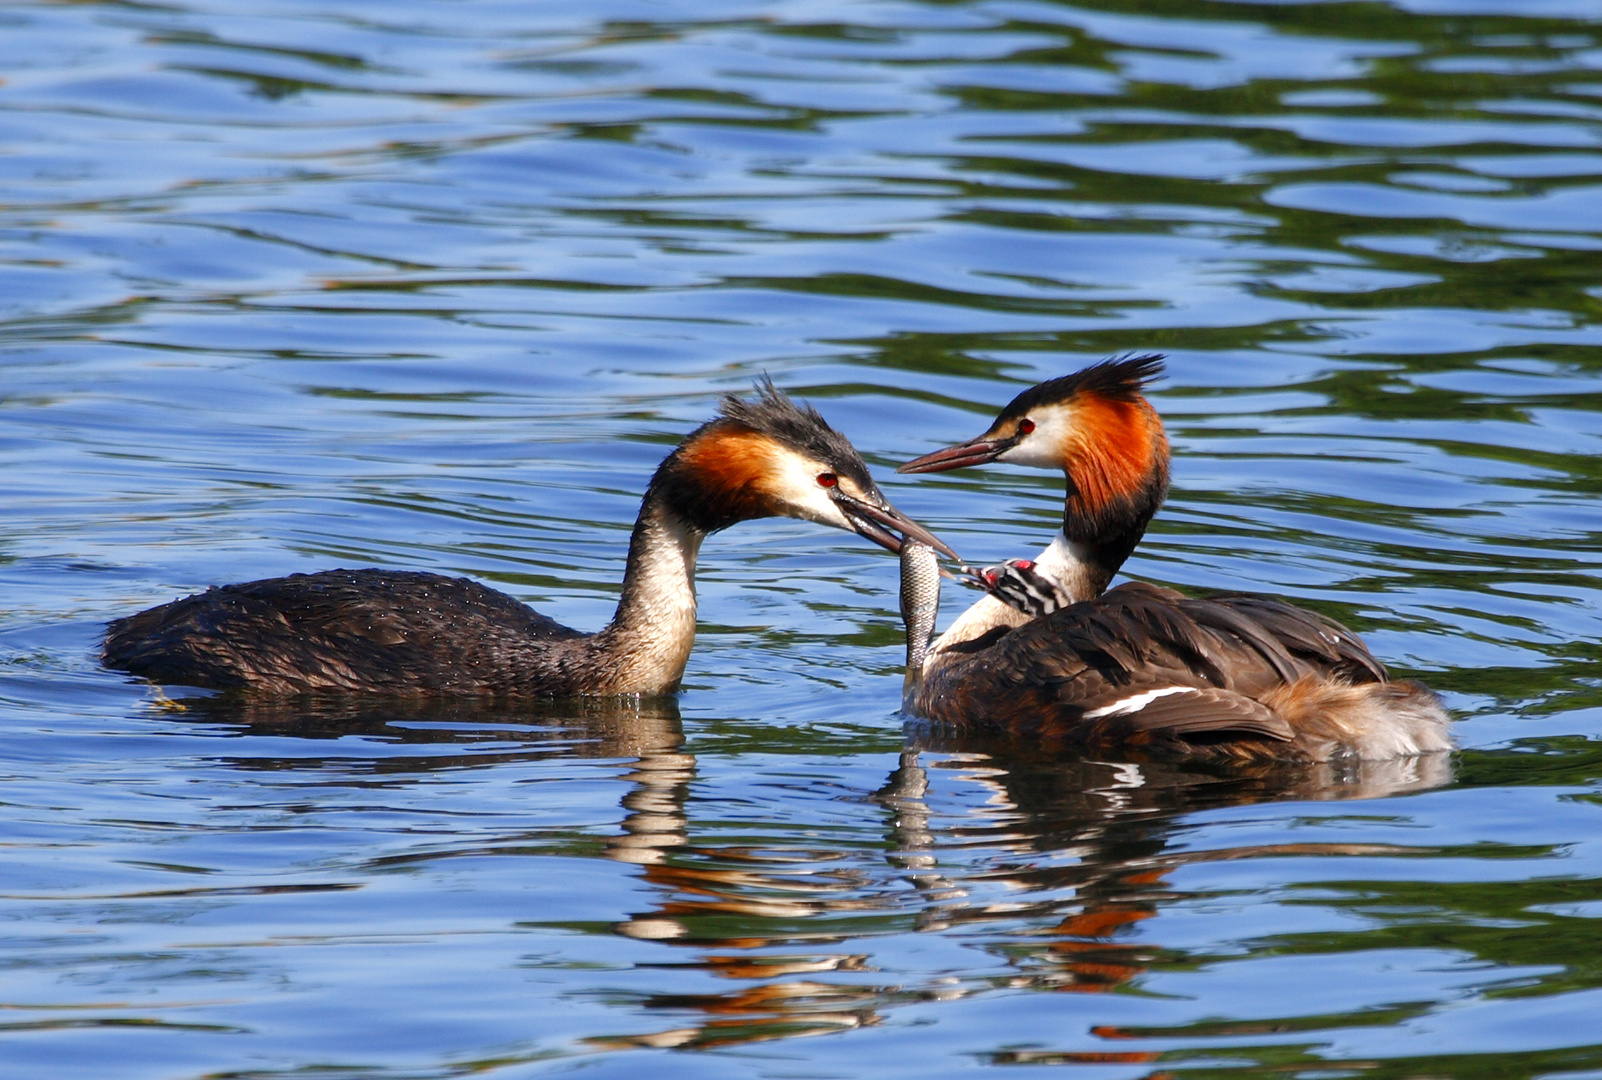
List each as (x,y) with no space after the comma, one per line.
(382,631)
(1049,654)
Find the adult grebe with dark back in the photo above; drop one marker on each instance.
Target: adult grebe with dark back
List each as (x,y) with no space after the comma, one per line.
(1053,654)
(407,632)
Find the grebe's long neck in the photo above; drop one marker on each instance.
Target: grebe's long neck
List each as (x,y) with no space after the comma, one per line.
(1115,476)
(647,643)
(1114,459)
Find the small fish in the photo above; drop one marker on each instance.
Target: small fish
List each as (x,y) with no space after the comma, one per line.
(920,600)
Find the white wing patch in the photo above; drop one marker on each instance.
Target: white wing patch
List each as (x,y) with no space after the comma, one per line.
(1137,702)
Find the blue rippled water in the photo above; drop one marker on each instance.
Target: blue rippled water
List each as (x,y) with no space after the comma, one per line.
(290,286)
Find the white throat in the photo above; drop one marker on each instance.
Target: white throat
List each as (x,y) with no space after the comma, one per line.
(1071,566)
(656,613)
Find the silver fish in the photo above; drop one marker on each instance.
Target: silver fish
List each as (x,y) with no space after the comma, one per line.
(920,604)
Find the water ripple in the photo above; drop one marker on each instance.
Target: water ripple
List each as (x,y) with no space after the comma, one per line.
(437,287)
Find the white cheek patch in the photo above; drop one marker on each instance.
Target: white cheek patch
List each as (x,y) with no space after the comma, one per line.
(797,483)
(1136,702)
(1044,447)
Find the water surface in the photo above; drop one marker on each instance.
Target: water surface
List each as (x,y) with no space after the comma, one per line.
(434,286)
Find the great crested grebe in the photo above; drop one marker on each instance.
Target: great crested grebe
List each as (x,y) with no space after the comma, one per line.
(384,631)
(1050,654)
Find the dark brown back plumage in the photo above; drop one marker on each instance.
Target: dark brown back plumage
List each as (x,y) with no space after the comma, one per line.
(1217,675)
(369,630)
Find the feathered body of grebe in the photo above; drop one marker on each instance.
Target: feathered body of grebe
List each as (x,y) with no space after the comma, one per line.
(1050,655)
(385,631)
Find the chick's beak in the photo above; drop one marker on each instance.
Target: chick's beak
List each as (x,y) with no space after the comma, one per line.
(875,521)
(973,452)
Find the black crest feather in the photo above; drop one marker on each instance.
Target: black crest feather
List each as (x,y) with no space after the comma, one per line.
(775,414)
(1121,378)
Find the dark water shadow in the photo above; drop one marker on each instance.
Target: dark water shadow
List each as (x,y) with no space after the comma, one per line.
(1118,822)
(599,727)
(649,731)
(1082,848)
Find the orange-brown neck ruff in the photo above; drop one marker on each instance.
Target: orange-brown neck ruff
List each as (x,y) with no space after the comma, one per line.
(718,476)
(1117,468)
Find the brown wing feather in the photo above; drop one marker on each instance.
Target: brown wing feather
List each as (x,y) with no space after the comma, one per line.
(1238,627)
(1054,675)
(1209,712)
(1309,634)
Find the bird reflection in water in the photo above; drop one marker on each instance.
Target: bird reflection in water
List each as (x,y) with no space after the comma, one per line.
(1046,863)
(1093,839)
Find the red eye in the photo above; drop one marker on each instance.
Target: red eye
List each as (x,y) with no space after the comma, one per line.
(1025,426)
(827,479)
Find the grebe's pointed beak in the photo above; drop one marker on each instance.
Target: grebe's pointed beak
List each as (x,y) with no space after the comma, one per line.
(876,522)
(973,452)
